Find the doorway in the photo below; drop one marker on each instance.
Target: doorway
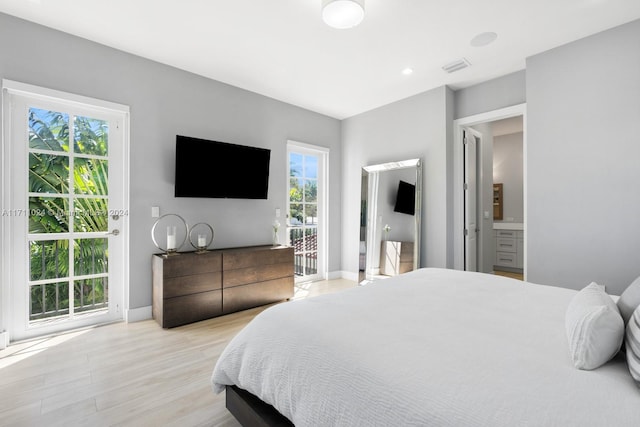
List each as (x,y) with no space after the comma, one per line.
(65,212)
(478,125)
(306,226)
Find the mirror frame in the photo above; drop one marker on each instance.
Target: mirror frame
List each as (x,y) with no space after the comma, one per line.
(367,218)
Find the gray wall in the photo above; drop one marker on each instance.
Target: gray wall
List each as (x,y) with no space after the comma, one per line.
(490,95)
(165,101)
(507,169)
(416,127)
(583,107)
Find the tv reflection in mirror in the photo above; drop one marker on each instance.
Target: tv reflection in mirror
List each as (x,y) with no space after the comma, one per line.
(405,198)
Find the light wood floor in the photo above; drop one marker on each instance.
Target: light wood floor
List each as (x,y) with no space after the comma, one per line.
(518,276)
(135,374)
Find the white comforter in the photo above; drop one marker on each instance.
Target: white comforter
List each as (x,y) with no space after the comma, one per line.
(432,347)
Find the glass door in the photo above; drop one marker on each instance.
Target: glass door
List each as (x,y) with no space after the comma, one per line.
(305,212)
(67,216)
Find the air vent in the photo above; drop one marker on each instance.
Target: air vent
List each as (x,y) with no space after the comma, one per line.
(456,65)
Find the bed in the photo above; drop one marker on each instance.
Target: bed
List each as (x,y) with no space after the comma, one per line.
(431,347)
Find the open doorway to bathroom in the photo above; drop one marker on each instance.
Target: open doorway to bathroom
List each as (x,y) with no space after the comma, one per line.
(496,223)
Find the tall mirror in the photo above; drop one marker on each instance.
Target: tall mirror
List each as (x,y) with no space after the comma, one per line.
(390,219)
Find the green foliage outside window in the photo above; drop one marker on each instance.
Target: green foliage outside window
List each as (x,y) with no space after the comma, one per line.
(59,207)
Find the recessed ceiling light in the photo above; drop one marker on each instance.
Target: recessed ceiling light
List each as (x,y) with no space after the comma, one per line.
(407,71)
(483,39)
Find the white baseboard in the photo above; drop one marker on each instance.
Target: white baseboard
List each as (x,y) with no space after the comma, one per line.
(348,275)
(4,340)
(332,275)
(138,314)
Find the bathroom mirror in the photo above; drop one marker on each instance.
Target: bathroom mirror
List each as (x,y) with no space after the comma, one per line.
(390,205)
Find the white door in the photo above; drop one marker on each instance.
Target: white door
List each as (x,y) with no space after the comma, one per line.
(470,203)
(65,210)
(307,209)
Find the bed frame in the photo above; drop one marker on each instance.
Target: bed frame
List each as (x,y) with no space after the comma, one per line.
(251,411)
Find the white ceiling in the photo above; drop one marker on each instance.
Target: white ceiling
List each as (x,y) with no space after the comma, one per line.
(282,49)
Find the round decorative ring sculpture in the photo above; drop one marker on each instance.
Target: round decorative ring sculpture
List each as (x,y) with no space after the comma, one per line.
(174,221)
(203,233)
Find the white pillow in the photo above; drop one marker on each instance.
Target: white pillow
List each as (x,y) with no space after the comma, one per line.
(629,300)
(595,328)
(632,343)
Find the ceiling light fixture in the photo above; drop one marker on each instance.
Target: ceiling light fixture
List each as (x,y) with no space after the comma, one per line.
(342,14)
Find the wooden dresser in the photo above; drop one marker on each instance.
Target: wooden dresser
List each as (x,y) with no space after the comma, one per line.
(189,287)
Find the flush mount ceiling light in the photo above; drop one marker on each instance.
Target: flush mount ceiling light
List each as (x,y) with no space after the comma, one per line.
(342,14)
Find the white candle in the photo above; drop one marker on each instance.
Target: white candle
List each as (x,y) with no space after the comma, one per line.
(202,241)
(171,238)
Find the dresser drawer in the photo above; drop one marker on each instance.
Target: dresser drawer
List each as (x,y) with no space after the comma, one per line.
(191,308)
(506,259)
(505,245)
(256,294)
(506,233)
(190,263)
(192,284)
(266,255)
(243,276)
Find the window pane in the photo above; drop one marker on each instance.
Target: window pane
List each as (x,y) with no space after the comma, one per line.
(48,173)
(48,130)
(48,259)
(295,190)
(48,214)
(296,214)
(90,215)
(311,214)
(90,136)
(311,263)
(311,167)
(90,294)
(311,239)
(90,256)
(90,176)
(295,239)
(49,300)
(310,190)
(295,164)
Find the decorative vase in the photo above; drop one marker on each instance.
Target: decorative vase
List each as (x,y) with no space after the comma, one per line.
(276,227)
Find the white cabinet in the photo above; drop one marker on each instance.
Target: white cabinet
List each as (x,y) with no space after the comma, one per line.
(509,249)
(520,249)
(396,258)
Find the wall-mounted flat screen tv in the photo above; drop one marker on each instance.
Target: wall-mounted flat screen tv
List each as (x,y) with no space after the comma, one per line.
(405,198)
(216,169)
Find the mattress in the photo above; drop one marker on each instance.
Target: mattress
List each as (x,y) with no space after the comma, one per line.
(431,347)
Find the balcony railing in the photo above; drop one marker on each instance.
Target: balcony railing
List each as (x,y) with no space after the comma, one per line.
(305,244)
(49,296)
